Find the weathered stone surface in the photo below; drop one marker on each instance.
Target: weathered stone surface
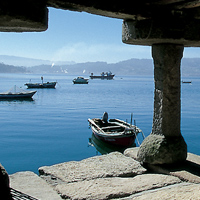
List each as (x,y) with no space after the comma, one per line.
(170,30)
(167,107)
(165,145)
(23,16)
(179,191)
(4,184)
(31,184)
(103,185)
(107,188)
(131,152)
(112,165)
(186,176)
(193,158)
(134,10)
(188,171)
(158,149)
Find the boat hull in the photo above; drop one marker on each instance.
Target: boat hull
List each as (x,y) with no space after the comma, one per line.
(123,140)
(41,85)
(80,82)
(17,96)
(104,147)
(103,77)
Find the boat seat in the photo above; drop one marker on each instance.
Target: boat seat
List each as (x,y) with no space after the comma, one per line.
(111,127)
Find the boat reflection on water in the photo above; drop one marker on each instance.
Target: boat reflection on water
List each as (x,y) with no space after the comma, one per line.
(105,148)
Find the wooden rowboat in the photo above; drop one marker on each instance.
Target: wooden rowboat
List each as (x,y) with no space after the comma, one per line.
(114,131)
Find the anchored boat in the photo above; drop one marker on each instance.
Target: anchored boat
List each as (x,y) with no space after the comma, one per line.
(114,131)
(16,93)
(80,80)
(104,147)
(107,75)
(41,85)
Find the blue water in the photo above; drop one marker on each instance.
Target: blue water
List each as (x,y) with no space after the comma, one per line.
(53,128)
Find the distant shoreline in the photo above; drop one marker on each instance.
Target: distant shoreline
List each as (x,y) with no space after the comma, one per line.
(190,67)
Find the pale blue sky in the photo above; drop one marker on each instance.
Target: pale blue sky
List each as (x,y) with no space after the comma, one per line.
(79,37)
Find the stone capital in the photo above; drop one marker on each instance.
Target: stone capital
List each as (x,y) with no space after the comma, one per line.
(165,30)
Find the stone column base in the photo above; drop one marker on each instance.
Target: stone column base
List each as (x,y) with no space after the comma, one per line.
(159,149)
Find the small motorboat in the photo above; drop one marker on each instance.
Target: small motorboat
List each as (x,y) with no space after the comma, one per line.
(114,131)
(41,85)
(16,93)
(80,80)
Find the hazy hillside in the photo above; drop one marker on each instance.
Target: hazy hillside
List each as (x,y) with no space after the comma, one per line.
(128,67)
(189,67)
(27,62)
(12,69)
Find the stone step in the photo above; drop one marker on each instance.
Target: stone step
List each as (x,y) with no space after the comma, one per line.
(31,184)
(182,191)
(188,171)
(114,187)
(103,177)
(111,165)
(111,176)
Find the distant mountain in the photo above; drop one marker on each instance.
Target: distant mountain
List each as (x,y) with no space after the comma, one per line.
(12,69)
(128,67)
(28,62)
(189,67)
(134,67)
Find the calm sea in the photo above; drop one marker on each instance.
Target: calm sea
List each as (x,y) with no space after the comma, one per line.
(53,128)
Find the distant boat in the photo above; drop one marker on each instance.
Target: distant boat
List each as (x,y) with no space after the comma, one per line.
(16,93)
(41,85)
(80,80)
(107,75)
(186,81)
(114,131)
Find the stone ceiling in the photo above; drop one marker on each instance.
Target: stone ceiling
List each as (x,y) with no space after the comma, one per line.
(176,21)
(142,9)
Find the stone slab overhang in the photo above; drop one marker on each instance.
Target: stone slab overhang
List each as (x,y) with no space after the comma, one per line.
(145,22)
(140,9)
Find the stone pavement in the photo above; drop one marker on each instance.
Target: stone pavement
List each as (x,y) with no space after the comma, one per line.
(31,184)
(112,176)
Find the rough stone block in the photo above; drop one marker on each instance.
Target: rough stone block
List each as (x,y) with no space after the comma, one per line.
(164,31)
(23,16)
(131,152)
(112,165)
(108,188)
(193,158)
(179,191)
(32,185)
(158,149)
(4,184)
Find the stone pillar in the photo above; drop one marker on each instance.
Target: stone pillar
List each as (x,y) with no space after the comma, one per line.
(165,145)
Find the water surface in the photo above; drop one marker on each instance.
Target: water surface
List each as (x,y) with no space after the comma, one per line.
(53,128)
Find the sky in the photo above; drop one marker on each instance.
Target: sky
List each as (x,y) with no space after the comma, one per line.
(78,37)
